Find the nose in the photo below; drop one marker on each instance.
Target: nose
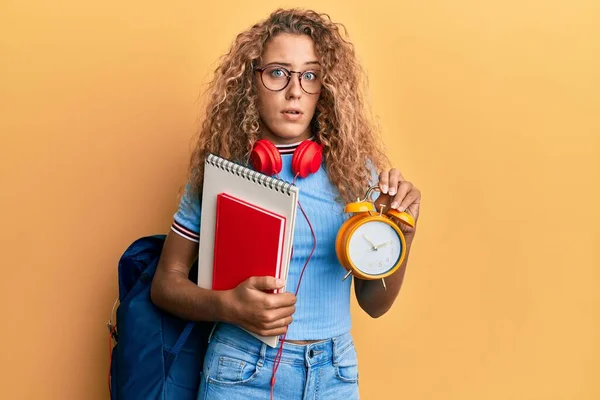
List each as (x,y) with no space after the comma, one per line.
(294,89)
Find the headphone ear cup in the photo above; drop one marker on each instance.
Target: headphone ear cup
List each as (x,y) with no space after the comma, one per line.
(307,158)
(265,157)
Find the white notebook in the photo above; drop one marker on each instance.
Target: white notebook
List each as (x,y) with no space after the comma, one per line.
(276,195)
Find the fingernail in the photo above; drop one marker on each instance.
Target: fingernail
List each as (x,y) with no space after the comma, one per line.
(384,188)
(279,282)
(392,191)
(401,209)
(395,204)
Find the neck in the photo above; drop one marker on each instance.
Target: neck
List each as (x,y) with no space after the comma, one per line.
(289,148)
(279,140)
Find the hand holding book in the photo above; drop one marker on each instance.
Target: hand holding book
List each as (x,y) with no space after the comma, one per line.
(249,306)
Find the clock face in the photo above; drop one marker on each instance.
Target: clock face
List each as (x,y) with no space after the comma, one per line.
(375,247)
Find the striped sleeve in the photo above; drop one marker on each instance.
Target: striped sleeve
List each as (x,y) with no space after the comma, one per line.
(186,221)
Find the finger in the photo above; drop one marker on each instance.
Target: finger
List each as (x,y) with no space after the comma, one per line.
(265,283)
(281,313)
(384,181)
(278,300)
(395,178)
(411,198)
(268,317)
(257,327)
(403,189)
(269,332)
(277,324)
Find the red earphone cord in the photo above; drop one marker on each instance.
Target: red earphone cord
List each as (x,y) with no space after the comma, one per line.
(280,351)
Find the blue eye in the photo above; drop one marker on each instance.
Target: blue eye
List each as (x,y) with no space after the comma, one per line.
(277,73)
(309,76)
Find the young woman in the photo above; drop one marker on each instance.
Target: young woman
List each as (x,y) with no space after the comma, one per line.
(289,79)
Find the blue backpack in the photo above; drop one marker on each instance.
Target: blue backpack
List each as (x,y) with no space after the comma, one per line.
(156,355)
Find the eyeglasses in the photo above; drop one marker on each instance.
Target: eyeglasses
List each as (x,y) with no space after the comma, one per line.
(276,78)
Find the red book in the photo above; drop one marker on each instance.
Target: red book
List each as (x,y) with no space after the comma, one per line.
(248,242)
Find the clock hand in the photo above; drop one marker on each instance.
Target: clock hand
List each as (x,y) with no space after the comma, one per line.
(383,244)
(370,242)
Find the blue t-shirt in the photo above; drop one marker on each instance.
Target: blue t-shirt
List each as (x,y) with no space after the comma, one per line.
(323,301)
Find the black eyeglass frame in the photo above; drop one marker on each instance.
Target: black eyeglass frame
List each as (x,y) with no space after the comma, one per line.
(288,74)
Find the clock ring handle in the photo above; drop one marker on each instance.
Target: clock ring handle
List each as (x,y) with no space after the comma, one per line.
(370,193)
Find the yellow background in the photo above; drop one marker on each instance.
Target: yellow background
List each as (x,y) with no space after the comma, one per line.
(490,107)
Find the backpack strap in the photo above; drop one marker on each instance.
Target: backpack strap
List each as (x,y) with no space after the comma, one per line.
(172,354)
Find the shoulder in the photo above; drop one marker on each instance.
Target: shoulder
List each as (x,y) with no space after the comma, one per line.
(186,221)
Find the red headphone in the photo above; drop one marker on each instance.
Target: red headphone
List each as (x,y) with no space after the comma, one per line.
(306,160)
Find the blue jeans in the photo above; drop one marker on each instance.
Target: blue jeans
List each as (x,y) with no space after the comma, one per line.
(239,366)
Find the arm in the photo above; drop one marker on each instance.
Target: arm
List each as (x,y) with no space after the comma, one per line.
(247,305)
(372,297)
(401,195)
(174,292)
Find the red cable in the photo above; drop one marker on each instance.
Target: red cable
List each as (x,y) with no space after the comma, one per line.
(280,351)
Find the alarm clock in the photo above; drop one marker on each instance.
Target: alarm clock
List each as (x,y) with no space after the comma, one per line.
(370,245)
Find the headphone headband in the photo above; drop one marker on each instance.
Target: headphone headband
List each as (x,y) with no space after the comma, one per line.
(307,158)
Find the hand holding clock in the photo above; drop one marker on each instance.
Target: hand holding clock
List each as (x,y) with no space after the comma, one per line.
(373,243)
(399,194)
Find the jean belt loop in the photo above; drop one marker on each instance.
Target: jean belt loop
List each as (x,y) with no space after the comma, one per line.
(334,345)
(263,355)
(212,331)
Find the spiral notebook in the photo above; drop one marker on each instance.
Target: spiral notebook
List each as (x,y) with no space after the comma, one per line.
(269,193)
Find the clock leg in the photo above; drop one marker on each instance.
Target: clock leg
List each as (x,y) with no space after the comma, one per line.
(383,282)
(347,275)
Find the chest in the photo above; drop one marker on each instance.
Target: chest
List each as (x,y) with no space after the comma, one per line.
(319,211)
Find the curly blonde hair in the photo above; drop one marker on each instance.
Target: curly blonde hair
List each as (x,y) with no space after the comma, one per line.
(342,122)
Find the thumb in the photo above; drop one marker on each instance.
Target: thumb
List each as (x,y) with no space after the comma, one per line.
(265,283)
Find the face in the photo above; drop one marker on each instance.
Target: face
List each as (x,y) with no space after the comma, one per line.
(286,114)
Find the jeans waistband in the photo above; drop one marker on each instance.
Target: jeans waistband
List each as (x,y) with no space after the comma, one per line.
(327,350)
